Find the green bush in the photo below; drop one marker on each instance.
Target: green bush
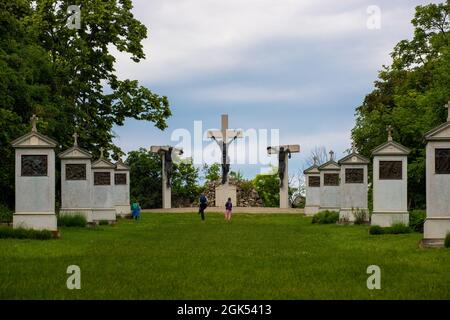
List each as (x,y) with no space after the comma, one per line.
(6,215)
(361,216)
(20,233)
(396,228)
(326,217)
(417,219)
(103,222)
(447,241)
(75,220)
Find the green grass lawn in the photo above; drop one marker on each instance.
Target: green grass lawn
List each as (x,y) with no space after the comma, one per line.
(175,256)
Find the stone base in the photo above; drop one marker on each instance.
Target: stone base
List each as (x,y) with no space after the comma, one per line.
(387,219)
(86,212)
(436,229)
(123,210)
(108,214)
(346,215)
(37,221)
(432,243)
(337,209)
(311,210)
(223,192)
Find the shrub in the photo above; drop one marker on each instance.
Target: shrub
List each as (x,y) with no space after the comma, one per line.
(21,233)
(75,220)
(326,217)
(447,241)
(376,230)
(6,215)
(361,216)
(417,219)
(103,222)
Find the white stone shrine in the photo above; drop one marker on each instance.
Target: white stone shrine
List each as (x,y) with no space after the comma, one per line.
(76,181)
(390,183)
(35,181)
(103,204)
(354,186)
(437,223)
(312,189)
(330,189)
(284,153)
(167,154)
(122,189)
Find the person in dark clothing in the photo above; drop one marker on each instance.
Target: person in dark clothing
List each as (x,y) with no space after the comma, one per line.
(203,205)
(228,209)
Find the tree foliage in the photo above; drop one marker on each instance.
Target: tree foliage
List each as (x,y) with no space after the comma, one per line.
(410,94)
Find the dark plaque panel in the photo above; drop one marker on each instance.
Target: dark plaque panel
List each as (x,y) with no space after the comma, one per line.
(34,165)
(102,178)
(442,161)
(331,179)
(76,171)
(314,181)
(120,178)
(390,170)
(353,175)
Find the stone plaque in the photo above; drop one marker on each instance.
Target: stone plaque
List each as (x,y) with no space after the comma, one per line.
(120,178)
(390,170)
(442,161)
(102,178)
(331,179)
(314,181)
(354,175)
(76,171)
(34,165)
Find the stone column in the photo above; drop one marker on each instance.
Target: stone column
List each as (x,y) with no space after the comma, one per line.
(284,190)
(166,190)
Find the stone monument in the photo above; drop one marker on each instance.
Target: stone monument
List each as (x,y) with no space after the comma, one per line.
(354,185)
(103,206)
(167,153)
(224,138)
(284,154)
(122,189)
(437,223)
(76,181)
(35,181)
(390,183)
(330,190)
(312,189)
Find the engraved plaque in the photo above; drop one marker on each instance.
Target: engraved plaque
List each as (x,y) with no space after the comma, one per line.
(120,178)
(390,170)
(331,179)
(314,181)
(353,175)
(34,165)
(102,178)
(76,171)
(442,161)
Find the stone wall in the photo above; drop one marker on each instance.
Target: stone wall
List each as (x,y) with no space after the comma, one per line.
(247,196)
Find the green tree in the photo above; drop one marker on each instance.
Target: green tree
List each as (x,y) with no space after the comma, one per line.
(212,172)
(410,94)
(185,186)
(268,187)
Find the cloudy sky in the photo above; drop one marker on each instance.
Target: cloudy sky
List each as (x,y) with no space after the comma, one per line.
(299,66)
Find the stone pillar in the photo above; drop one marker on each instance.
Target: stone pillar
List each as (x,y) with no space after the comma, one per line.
(76,182)
(284,191)
(330,190)
(103,206)
(312,189)
(354,186)
(437,223)
(166,190)
(122,189)
(390,183)
(35,181)
(223,192)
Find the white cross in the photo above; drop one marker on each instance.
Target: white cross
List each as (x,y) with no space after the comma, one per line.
(33,121)
(75,139)
(222,136)
(389,130)
(101,152)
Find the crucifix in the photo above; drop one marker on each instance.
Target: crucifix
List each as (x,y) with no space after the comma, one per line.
(224,138)
(389,130)
(331,155)
(75,139)
(284,153)
(448,107)
(167,153)
(34,119)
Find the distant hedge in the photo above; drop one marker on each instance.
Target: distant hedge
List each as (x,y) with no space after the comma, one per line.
(396,228)
(20,233)
(326,217)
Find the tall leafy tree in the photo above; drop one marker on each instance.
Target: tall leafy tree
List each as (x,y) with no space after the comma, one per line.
(410,94)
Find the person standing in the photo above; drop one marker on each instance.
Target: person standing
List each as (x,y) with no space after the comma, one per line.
(203,204)
(228,209)
(136,210)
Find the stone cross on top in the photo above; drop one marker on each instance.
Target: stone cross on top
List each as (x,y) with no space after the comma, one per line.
(389,130)
(34,119)
(331,155)
(75,139)
(448,108)
(101,152)
(224,135)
